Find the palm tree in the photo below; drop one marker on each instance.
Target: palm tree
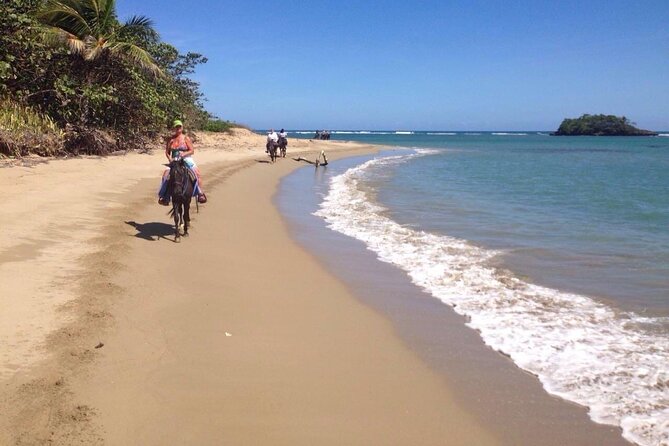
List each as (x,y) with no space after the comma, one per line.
(91,29)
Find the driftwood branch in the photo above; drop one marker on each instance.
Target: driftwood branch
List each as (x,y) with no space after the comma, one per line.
(322,160)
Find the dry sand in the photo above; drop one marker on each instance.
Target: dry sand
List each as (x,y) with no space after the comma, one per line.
(234,336)
(52,211)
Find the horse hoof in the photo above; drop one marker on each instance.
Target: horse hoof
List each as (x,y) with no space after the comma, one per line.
(186,234)
(177,239)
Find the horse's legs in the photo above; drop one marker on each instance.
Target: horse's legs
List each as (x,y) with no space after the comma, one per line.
(176,207)
(186,218)
(181,215)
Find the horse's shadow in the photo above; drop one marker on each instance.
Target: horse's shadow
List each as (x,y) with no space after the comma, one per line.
(152,231)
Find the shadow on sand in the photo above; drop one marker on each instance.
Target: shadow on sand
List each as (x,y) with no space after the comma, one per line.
(152,231)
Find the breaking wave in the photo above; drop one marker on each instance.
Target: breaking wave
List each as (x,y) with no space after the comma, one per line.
(579,348)
(508,134)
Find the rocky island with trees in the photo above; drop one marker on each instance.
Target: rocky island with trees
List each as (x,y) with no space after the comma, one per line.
(600,125)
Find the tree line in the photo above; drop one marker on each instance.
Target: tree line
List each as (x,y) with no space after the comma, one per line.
(75,78)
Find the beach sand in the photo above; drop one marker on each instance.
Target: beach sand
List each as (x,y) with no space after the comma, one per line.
(234,336)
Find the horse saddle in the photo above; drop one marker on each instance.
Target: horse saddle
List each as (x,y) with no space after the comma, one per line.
(192,176)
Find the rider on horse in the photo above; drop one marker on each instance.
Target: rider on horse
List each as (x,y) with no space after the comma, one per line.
(180,146)
(272,139)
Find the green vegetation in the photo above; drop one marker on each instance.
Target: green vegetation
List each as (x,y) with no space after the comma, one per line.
(24,130)
(218,125)
(600,125)
(73,78)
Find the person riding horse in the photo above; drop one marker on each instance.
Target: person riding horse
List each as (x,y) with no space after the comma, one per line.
(274,142)
(283,142)
(272,139)
(180,146)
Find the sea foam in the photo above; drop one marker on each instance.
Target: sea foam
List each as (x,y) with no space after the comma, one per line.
(579,348)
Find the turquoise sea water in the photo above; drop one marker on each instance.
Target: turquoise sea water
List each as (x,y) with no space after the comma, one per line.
(555,248)
(584,214)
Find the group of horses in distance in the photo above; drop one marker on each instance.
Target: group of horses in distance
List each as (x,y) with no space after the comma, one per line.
(276,149)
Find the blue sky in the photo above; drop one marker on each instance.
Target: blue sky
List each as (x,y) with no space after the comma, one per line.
(429,65)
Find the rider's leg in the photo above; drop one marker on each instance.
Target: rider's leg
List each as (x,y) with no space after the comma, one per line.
(162,193)
(202,198)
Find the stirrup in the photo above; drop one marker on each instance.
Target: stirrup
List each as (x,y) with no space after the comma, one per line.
(202,198)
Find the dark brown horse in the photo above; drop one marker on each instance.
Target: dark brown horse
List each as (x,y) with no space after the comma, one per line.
(272,148)
(180,188)
(283,143)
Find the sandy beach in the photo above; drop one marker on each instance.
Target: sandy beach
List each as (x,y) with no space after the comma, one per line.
(234,336)
(466,244)
(111,333)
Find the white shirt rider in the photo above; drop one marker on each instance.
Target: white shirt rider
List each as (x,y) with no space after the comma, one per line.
(272,136)
(283,135)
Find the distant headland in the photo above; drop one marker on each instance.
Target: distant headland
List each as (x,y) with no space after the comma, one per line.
(600,125)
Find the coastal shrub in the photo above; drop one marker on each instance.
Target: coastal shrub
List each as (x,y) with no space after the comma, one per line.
(26,62)
(121,91)
(218,125)
(90,141)
(24,130)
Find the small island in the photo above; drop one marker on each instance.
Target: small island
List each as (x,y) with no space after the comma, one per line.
(600,125)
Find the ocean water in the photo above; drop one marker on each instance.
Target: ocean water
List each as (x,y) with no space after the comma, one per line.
(555,248)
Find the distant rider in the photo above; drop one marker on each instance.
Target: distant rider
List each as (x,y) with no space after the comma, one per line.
(272,138)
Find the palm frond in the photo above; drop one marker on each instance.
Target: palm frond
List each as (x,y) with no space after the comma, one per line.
(56,37)
(76,45)
(102,13)
(53,36)
(90,27)
(107,13)
(93,51)
(139,21)
(60,14)
(138,55)
(139,27)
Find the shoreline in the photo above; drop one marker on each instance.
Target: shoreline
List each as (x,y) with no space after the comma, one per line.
(99,394)
(511,402)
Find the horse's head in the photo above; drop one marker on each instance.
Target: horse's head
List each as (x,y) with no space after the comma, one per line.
(177,161)
(180,182)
